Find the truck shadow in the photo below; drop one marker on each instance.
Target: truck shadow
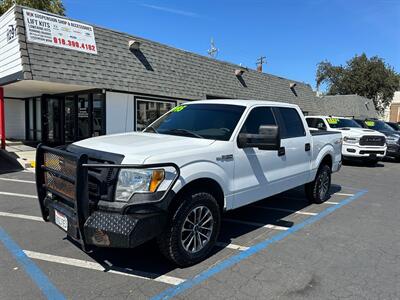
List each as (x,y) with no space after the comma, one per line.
(146,260)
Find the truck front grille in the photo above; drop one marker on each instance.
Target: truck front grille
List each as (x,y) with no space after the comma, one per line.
(372,141)
(56,183)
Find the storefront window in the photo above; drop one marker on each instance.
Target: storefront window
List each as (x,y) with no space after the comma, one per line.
(98,114)
(83,116)
(148,110)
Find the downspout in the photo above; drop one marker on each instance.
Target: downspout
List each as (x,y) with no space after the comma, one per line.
(2,120)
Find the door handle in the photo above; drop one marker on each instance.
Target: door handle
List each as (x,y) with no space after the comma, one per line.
(281,151)
(307,147)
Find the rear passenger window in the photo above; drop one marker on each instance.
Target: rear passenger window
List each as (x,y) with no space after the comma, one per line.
(293,125)
(257,117)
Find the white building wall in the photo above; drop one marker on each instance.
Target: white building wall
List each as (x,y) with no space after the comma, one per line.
(119,112)
(10,55)
(15,119)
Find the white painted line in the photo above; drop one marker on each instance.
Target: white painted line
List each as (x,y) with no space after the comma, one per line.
(343,194)
(232,246)
(269,226)
(19,216)
(17,180)
(331,202)
(98,267)
(286,210)
(18,195)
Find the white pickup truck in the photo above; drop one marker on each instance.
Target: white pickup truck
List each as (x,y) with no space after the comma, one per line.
(358,142)
(174,180)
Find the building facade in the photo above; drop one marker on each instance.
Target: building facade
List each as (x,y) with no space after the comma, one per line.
(394,112)
(64,80)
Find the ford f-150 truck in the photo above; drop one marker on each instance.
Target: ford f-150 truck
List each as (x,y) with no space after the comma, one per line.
(173,181)
(358,142)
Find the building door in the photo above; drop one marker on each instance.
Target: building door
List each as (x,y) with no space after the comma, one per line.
(52,120)
(70,120)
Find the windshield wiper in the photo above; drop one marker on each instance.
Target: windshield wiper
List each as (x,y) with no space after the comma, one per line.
(185,132)
(151,128)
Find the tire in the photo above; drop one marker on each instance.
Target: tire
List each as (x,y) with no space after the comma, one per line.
(174,242)
(317,191)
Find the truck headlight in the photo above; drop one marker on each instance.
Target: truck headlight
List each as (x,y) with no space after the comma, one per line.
(351,140)
(131,181)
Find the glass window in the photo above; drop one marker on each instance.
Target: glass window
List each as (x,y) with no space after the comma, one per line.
(257,117)
(98,114)
(311,122)
(342,122)
(209,121)
(293,125)
(147,111)
(38,120)
(378,125)
(83,116)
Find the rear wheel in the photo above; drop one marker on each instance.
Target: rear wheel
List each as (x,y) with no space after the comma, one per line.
(192,229)
(317,191)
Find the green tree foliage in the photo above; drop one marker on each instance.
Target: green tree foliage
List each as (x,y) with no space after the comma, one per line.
(368,77)
(53,6)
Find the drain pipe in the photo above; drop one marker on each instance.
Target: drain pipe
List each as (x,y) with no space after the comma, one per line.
(2,120)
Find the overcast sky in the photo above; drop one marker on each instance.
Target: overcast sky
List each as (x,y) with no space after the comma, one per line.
(294,35)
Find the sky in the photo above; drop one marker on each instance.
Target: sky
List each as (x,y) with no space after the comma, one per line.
(293,35)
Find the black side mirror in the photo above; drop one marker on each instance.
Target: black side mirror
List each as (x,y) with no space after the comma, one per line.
(268,138)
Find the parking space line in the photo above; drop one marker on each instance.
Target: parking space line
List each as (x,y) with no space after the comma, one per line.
(20,216)
(18,195)
(331,202)
(343,194)
(231,246)
(17,180)
(299,212)
(37,276)
(233,260)
(98,267)
(269,226)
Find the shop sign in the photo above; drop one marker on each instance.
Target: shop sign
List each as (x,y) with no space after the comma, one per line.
(54,31)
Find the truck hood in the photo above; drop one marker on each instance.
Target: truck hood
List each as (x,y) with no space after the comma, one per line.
(139,146)
(358,132)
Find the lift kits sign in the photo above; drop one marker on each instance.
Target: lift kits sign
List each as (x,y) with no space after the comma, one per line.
(59,32)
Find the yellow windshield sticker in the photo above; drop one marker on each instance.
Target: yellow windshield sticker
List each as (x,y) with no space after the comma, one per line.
(178,108)
(333,120)
(370,123)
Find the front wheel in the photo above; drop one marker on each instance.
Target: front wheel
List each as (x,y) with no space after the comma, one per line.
(192,229)
(317,191)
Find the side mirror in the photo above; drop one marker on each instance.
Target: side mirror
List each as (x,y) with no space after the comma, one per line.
(268,138)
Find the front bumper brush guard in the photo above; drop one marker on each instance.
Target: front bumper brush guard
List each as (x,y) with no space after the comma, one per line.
(79,179)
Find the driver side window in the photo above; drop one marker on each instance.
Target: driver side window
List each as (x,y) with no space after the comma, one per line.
(257,117)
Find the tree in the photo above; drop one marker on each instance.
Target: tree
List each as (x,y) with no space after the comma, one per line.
(368,77)
(53,6)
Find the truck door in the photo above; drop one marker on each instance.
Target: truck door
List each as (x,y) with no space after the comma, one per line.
(258,173)
(296,146)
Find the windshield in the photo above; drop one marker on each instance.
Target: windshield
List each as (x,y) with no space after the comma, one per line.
(209,121)
(342,122)
(378,125)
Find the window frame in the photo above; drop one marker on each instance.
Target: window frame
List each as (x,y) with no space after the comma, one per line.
(249,113)
(282,125)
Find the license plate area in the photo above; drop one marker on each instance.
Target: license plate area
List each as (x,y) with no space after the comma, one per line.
(60,220)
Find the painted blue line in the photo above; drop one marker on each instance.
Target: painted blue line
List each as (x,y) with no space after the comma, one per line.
(41,280)
(180,288)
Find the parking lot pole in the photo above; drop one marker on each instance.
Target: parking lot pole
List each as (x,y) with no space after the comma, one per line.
(2,120)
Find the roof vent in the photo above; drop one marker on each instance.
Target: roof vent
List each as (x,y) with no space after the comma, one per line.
(292,85)
(240,70)
(134,45)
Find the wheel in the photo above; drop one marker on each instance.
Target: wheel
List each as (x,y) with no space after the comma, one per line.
(192,229)
(317,191)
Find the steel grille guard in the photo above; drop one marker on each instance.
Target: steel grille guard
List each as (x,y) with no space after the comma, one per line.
(80,180)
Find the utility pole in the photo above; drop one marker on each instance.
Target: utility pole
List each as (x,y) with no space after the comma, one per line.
(260,61)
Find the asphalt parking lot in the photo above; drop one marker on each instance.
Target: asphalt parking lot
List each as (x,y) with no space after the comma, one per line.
(281,247)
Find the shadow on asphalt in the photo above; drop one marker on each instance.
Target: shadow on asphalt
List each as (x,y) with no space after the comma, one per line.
(147,259)
(8,164)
